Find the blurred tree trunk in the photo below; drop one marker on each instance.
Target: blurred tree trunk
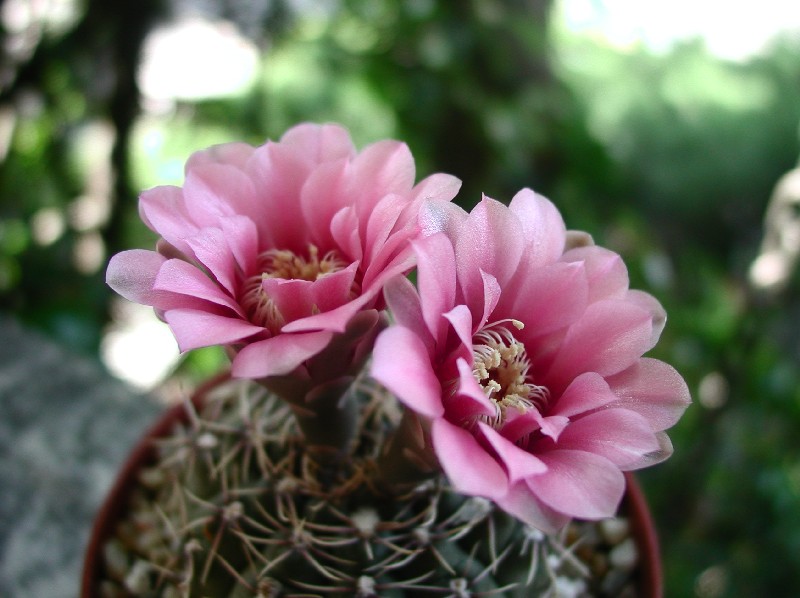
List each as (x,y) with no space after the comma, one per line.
(52,85)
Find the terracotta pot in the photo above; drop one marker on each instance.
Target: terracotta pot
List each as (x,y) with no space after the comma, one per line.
(634,505)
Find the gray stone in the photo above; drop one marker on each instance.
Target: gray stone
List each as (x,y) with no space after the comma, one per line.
(65,428)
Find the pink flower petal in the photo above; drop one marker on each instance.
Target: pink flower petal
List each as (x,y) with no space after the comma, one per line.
(385,254)
(381,224)
(542,352)
(133,274)
(242,237)
(395,255)
(436,279)
(441,217)
(321,197)
(654,389)
(319,143)
(400,264)
(344,230)
(440,187)
(517,428)
(663,452)
(334,320)
(491,295)
(468,466)
(211,248)
(525,506)
(546,299)
(379,169)
(194,328)
(587,392)
(235,154)
(579,484)
(649,303)
(605,271)
(542,228)
(460,319)
(295,298)
(278,173)
(406,223)
(609,337)
(469,401)
(164,211)
(552,425)
(490,240)
(519,464)
(333,290)
(180,277)
(279,355)
(292,298)
(216,191)
(403,303)
(400,362)
(619,435)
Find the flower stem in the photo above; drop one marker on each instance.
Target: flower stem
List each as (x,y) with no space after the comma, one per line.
(327,416)
(407,459)
(323,392)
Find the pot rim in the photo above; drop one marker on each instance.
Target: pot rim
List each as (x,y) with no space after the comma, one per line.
(643,529)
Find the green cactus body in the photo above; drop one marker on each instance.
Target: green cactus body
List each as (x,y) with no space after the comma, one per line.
(235,507)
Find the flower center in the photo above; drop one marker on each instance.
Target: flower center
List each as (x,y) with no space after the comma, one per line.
(501,367)
(285,264)
(282,263)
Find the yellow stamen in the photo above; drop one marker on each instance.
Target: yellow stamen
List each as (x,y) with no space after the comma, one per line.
(501,367)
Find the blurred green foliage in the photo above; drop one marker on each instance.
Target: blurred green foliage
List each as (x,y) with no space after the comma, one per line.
(668,159)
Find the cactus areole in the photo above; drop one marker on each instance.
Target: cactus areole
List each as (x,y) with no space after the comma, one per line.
(466,435)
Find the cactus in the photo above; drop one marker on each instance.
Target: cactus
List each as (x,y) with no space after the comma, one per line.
(517,359)
(234,507)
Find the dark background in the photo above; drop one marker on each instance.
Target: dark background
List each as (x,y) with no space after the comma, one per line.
(669,159)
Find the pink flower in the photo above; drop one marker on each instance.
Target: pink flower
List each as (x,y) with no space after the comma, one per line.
(525,358)
(274,249)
